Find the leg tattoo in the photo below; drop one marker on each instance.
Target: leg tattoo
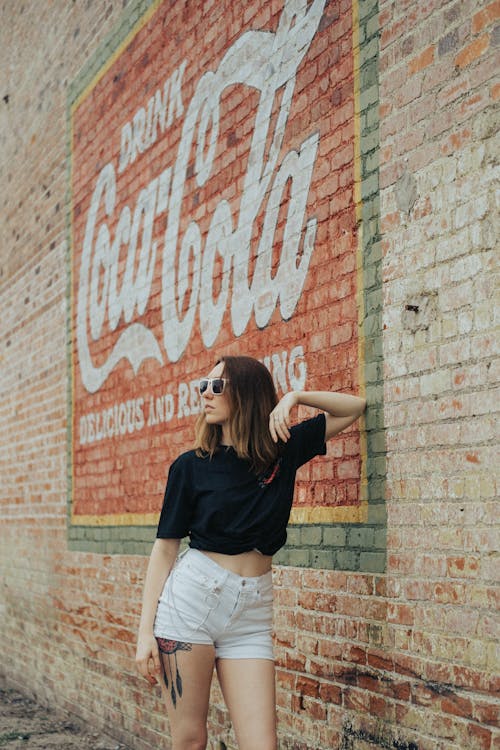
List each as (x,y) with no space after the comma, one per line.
(170,648)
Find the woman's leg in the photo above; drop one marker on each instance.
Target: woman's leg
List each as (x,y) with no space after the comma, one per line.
(248,687)
(187,676)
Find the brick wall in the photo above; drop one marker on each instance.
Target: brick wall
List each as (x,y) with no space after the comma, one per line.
(437,132)
(386,629)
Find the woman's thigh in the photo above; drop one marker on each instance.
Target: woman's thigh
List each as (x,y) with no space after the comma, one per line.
(248,687)
(187,676)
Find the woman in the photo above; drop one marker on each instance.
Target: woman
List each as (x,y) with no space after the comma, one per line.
(232,495)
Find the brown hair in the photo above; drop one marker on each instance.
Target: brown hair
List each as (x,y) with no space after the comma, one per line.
(252,397)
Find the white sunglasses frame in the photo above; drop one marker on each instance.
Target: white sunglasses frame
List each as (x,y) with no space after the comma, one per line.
(209,382)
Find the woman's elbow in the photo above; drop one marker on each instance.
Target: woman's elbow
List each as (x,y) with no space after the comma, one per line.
(361,406)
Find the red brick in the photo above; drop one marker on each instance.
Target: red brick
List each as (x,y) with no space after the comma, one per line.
(354,654)
(330,693)
(307,686)
(357,700)
(423,60)
(294,662)
(473,50)
(401,614)
(457,705)
(382,708)
(485,17)
(479,738)
(448,593)
(487,712)
(380,661)
(463,567)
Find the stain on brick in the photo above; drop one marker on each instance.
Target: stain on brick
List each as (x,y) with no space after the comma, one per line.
(448,43)
(420,311)
(351,739)
(406,192)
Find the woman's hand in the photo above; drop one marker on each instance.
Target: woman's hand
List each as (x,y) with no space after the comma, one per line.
(147,658)
(279,419)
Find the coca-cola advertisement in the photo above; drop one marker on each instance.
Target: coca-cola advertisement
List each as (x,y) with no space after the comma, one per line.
(213,211)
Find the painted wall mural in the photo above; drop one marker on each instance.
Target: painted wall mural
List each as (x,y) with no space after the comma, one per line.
(215,208)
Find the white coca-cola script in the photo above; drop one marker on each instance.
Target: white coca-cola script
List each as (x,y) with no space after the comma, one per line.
(267,62)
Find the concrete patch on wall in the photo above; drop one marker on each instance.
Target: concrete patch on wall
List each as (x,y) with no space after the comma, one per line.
(224,202)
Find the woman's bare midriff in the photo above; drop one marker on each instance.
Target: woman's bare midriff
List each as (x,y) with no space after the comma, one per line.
(247,564)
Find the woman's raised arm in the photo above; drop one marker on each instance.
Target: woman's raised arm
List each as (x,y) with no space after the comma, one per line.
(341,411)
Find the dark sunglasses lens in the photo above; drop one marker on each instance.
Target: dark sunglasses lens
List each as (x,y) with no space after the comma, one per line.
(217,386)
(203,386)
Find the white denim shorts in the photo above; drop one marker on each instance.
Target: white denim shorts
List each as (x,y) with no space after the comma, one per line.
(204,603)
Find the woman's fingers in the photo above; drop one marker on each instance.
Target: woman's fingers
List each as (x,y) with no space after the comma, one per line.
(279,424)
(279,419)
(148,661)
(143,668)
(156,660)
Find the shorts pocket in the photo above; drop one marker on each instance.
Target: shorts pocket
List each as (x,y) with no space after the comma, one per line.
(192,596)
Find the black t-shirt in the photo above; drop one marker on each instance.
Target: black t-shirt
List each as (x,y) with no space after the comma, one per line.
(224,507)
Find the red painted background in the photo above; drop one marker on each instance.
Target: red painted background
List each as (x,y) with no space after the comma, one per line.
(120,455)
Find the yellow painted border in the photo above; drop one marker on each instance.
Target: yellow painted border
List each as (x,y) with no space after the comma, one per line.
(117,519)
(323,514)
(303,514)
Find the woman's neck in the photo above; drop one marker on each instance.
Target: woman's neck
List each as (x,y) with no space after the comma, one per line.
(226,441)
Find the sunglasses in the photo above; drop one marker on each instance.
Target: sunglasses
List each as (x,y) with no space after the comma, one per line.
(217,385)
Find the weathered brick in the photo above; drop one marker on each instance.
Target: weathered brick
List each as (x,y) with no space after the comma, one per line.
(472,51)
(422,60)
(485,17)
